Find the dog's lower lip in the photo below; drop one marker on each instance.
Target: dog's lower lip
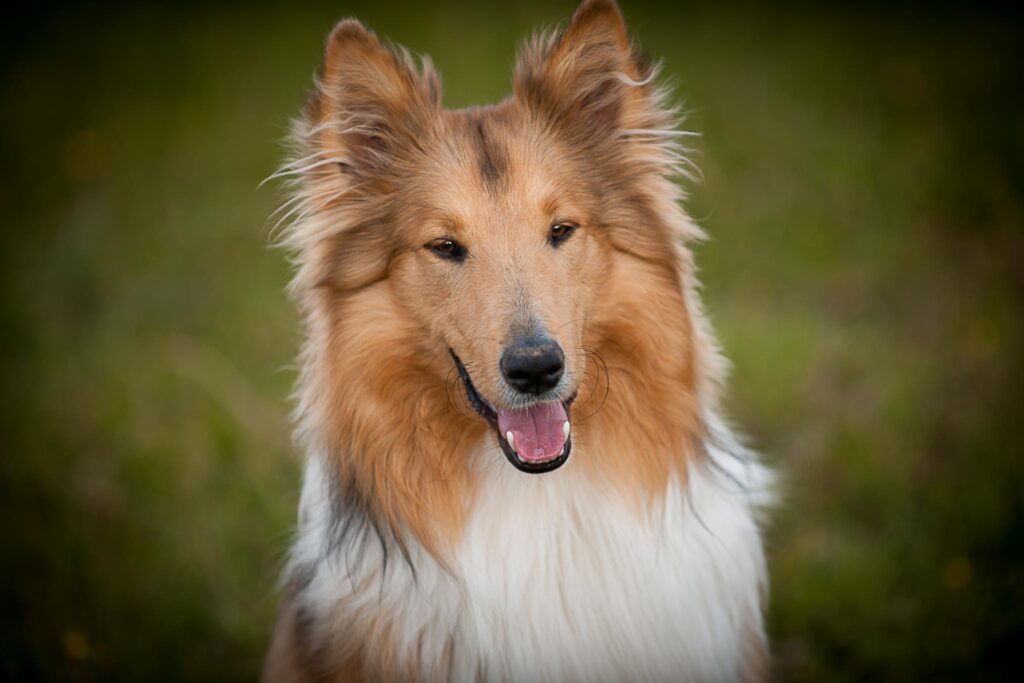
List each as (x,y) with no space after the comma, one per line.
(488,412)
(485,409)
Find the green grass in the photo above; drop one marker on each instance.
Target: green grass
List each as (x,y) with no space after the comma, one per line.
(864,192)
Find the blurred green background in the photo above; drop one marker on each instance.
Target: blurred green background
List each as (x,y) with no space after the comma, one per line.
(864,192)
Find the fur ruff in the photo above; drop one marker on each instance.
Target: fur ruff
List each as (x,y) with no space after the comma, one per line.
(555,579)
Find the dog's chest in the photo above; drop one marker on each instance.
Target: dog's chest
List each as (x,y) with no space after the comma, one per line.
(556,579)
(576,583)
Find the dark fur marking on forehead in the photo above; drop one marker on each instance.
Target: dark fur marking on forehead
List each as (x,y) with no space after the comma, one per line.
(492,164)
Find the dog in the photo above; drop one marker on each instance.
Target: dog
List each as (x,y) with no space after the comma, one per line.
(517,468)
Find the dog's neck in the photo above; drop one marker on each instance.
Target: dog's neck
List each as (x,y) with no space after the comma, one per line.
(537,551)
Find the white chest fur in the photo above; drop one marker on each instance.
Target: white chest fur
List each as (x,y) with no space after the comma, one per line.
(556,579)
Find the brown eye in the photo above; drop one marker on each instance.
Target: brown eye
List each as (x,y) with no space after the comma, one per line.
(447,248)
(561,232)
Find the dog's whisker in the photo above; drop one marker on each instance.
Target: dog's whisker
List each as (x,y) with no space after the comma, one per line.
(599,368)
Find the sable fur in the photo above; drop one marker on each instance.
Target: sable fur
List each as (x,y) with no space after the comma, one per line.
(381,169)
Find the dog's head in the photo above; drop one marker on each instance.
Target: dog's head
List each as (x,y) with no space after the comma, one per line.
(493,234)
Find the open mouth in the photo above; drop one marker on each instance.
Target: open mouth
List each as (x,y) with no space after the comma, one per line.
(535,439)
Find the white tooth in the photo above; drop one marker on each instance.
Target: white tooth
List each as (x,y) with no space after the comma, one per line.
(565,430)
(511,440)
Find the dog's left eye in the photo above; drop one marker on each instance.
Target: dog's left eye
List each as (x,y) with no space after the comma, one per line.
(561,232)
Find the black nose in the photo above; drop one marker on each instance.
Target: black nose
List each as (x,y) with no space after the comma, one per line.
(533,365)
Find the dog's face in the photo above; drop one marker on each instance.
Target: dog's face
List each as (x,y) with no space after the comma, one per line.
(501,258)
(495,230)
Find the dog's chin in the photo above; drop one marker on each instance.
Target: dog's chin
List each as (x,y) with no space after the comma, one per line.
(539,461)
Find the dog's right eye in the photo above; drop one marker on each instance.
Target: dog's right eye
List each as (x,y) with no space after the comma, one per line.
(447,248)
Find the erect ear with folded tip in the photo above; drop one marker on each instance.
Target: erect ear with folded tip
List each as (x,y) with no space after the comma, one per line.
(584,77)
(372,103)
(368,122)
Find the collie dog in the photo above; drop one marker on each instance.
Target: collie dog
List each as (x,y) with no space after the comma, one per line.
(516,465)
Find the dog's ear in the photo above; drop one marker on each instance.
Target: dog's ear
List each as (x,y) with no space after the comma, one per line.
(586,76)
(371,115)
(372,101)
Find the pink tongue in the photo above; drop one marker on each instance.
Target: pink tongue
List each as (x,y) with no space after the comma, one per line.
(537,431)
